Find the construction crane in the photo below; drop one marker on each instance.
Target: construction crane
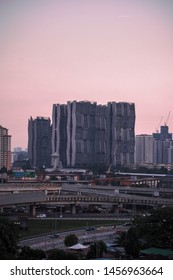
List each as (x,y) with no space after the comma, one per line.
(165,123)
(112,163)
(157,128)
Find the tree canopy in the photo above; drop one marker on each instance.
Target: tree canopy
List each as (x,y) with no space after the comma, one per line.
(8,239)
(70,240)
(152,230)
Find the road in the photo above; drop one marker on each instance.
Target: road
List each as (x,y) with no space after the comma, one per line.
(46,242)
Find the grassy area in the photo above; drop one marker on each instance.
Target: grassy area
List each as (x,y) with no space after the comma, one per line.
(42,226)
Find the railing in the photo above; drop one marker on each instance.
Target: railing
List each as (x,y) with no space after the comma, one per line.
(106,199)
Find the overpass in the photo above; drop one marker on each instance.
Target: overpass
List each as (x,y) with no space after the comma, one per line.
(119,200)
(57,188)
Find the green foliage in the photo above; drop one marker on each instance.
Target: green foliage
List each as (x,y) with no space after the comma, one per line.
(122,239)
(59,254)
(152,230)
(8,239)
(157,228)
(31,254)
(132,243)
(96,250)
(70,240)
(3,170)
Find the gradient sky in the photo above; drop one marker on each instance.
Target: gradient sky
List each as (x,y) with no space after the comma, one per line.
(52,51)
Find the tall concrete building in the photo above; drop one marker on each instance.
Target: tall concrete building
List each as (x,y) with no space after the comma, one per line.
(163,134)
(120,132)
(85,134)
(5,148)
(144,149)
(162,146)
(156,148)
(39,142)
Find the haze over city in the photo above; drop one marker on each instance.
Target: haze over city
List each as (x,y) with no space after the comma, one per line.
(100,50)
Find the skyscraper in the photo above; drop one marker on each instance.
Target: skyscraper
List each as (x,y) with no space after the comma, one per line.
(156,148)
(84,133)
(120,133)
(5,148)
(39,142)
(164,134)
(144,149)
(162,146)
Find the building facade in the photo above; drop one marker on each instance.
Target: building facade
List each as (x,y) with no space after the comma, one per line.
(155,149)
(5,148)
(121,133)
(39,142)
(85,134)
(162,146)
(144,149)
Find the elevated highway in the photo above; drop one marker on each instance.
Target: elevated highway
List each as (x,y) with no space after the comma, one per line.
(89,196)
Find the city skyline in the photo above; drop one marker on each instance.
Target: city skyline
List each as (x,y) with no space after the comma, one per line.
(103,51)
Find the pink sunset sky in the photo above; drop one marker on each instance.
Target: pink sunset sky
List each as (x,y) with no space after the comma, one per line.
(54,51)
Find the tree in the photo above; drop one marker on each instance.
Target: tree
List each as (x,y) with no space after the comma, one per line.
(3,170)
(156,229)
(8,239)
(132,247)
(96,250)
(28,253)
(122,239)
(70,240)
(58,254)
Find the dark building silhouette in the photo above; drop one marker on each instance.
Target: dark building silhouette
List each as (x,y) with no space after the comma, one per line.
(163,146)
(39,142)
(164,134)
(5,148)
(84,134)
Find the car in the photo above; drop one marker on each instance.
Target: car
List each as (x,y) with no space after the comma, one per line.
(55,235)
(90,228)
(41,216)
(127,225)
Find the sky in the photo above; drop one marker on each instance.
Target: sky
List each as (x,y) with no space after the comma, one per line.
(54,51)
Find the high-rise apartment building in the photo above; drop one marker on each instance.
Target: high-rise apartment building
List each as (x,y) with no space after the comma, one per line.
(39,142)
(144,149)
(120,132)
(156,148)
(162,146)
(5,148)
(163,134)
(84,133)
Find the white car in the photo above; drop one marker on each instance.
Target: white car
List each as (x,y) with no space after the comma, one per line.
(41,216)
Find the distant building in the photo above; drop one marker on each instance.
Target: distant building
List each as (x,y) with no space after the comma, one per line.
(120,133)
(19,154)
(39,142)
(162,146)
(163,134)
(5,148)
(144,149)
(85,134)
(156,148)
(18,149)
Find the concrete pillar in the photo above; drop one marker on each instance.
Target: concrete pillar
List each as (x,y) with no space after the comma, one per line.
(73,209)
(1,210)
(114,208)
(33,210)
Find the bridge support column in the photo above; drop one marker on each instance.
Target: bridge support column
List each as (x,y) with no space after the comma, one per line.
(1,210)
(33,210)
(73,209)
(134,208)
